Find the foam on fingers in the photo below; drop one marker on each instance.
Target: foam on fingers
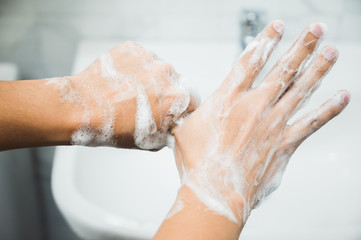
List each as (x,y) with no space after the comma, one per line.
(244,145)
(292,64)
(330,53)
(255,55)
(309,81)
(279,26)
(328,110)
(307,124)
(146,134)
(318,29)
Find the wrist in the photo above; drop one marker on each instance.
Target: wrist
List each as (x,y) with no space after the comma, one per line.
(222,202)
(87,111)
(98,119)
(63,109)
(33,115)
(195,220)
(213,186)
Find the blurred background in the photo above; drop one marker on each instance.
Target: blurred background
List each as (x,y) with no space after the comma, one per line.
(39,39)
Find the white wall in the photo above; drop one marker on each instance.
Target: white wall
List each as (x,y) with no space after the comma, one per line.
(171,19)
(41,35)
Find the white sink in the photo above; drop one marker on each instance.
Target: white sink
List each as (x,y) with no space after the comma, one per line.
(107,193)
(8,71)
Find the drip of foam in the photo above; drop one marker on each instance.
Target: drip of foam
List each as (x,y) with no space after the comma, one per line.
(273,181)
(177,207)
(107,67)
(107,129)
(67,93)
(261,53)
(146,135)
(261,47)
(211,181)
(87,136)
(216,204)
(179,105)
(170,141)
(83,136)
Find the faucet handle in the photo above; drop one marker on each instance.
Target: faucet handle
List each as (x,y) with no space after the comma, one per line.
(252,23)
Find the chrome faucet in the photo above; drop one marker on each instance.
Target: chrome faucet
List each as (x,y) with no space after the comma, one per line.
(252,23)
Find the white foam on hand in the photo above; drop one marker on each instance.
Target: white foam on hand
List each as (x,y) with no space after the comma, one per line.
(126,73)
(243,140)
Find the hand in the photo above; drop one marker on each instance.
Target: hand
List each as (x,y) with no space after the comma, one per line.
(126,98)
(232,151)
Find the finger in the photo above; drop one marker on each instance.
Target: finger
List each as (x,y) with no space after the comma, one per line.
(308,82)
(193,104)
(314,120)
(292,62)
(177,106)
(253,58)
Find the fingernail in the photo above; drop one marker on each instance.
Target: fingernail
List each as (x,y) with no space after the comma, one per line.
(330,53)
(345,97)
(278,26)
(318,29)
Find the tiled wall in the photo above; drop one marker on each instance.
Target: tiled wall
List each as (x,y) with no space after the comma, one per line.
(41,35)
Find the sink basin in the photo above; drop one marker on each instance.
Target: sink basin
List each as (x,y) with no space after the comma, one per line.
(110,193)
(107,193)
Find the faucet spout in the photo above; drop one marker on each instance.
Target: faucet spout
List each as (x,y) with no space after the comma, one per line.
(251,24)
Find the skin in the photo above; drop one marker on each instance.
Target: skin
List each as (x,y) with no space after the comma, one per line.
(250,125)
(246,126)
(32,109)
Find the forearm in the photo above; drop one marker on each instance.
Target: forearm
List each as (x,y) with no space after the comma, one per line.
(126,98)
(194,221)
(31,115)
